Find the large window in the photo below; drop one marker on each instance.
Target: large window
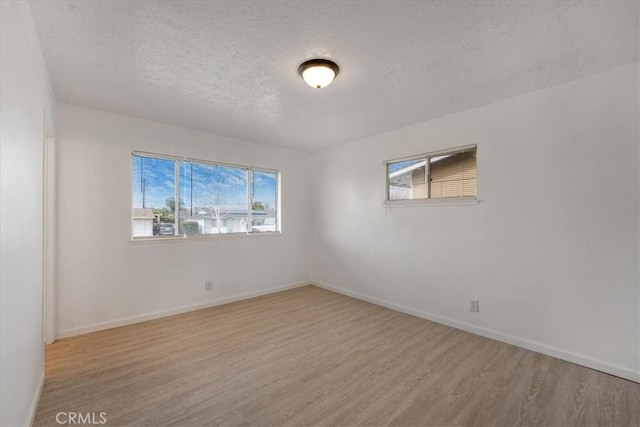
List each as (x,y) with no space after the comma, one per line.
(438,175)
(211,198)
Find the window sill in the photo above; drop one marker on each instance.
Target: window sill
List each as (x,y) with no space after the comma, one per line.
(203,238)
(452,201)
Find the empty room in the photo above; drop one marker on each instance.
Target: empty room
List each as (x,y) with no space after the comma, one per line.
(320,213)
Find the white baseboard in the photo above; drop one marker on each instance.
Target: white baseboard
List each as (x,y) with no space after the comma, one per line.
(33,408)
(599,365)
(172,311)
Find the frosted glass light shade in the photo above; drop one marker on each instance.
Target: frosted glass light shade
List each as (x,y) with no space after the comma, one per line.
(318,73)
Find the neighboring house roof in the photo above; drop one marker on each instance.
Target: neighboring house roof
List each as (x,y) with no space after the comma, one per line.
(407,169)
(402,177)
(203,212)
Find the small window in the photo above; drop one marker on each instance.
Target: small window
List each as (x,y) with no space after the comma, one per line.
(438,175)
(263,205)
(212,198)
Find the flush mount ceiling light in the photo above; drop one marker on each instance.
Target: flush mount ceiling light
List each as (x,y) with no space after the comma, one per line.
(318,73)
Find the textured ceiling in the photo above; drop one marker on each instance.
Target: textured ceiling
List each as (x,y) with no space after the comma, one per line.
(230,67)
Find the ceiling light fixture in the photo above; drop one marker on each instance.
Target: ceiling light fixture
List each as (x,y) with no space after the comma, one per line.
(318,73)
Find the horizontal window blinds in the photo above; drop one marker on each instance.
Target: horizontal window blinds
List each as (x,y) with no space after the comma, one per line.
(454,175)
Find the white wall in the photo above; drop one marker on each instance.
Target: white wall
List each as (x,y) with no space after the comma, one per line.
(26,98)
(104,280)
(551,251)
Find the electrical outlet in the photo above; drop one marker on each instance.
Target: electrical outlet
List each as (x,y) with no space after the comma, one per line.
(474,306)
(208,285)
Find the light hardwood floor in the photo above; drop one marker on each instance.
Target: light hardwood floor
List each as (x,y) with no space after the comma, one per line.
(313,357)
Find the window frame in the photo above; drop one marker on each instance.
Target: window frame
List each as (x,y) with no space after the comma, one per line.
(178,160)
(441,201)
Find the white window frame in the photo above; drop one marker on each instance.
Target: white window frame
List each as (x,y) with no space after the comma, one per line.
(249,190)
(428,201)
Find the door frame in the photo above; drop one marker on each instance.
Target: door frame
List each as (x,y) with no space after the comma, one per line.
(49,244)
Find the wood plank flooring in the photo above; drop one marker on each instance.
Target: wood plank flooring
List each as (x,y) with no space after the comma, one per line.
(313,357)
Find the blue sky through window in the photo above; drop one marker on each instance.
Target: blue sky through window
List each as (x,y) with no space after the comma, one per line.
(400,165)
(204,185)
(153,182)
(264,188)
